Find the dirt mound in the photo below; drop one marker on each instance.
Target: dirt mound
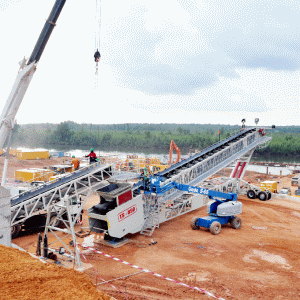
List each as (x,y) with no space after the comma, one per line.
(24,277)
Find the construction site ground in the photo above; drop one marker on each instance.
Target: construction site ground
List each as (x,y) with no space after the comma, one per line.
(19,164)
(24,277)
(258,261)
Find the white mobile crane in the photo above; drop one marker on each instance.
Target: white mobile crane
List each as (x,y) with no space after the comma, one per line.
(7,119)
(25,74)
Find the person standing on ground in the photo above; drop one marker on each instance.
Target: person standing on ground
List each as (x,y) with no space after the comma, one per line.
(92,155)
(75,162)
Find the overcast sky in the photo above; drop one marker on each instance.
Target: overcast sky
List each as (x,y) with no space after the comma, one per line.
(170,61)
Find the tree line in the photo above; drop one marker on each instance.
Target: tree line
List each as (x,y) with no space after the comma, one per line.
(285,140)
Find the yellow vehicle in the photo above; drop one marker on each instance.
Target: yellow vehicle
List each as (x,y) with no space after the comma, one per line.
(136,163)
(157,167)
(269,185)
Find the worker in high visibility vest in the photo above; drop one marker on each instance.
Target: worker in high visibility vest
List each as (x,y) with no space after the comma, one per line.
(75,162)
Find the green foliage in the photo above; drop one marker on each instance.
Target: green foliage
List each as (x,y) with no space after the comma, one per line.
(283,144)
(62,134)
(285,141)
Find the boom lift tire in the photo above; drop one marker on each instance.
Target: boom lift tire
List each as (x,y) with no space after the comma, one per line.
(251,194)
(262,196)
(236,222)
(269,195)
(193,223)
(15,229)
(215,228)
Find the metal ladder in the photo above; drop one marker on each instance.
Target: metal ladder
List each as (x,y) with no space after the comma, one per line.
(152,220)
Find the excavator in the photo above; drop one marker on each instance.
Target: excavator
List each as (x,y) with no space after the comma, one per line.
(173,145)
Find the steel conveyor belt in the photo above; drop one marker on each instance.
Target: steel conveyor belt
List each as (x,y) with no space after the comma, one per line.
(192,160)
(56,184)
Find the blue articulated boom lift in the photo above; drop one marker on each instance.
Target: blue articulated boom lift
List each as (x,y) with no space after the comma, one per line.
(221,210)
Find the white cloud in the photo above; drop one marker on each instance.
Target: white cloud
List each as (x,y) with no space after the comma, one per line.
(162,61)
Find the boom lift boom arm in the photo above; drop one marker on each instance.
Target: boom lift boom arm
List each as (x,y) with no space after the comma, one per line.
(155,187)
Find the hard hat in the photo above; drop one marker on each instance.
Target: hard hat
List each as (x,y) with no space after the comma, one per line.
(92,149)
(73,156)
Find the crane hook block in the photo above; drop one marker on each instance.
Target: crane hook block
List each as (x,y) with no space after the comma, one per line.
(97,56)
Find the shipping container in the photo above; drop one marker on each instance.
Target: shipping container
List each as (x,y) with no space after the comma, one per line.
(33,155)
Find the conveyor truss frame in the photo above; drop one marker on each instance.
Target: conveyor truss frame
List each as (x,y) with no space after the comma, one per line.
(175,203)
(37,200)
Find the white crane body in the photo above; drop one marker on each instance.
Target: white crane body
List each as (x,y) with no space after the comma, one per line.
(7,119)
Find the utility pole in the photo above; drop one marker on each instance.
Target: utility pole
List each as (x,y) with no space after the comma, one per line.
(91,134)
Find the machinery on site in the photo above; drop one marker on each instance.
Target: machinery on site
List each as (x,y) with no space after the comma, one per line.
(264,192)
(169,194)
(124,208)
(7,119)
(119,213)
(222,209)
(219,213)
(173,145)
(25,74)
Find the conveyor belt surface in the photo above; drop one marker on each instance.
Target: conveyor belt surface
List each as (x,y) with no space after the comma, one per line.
(55,184)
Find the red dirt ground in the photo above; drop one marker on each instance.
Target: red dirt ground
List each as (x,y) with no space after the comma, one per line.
(258,261)
(23,277)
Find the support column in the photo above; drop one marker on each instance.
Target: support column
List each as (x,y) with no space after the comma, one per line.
(234,171)
(5,215)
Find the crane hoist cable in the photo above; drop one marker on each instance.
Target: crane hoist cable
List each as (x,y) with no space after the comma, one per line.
(97,55)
